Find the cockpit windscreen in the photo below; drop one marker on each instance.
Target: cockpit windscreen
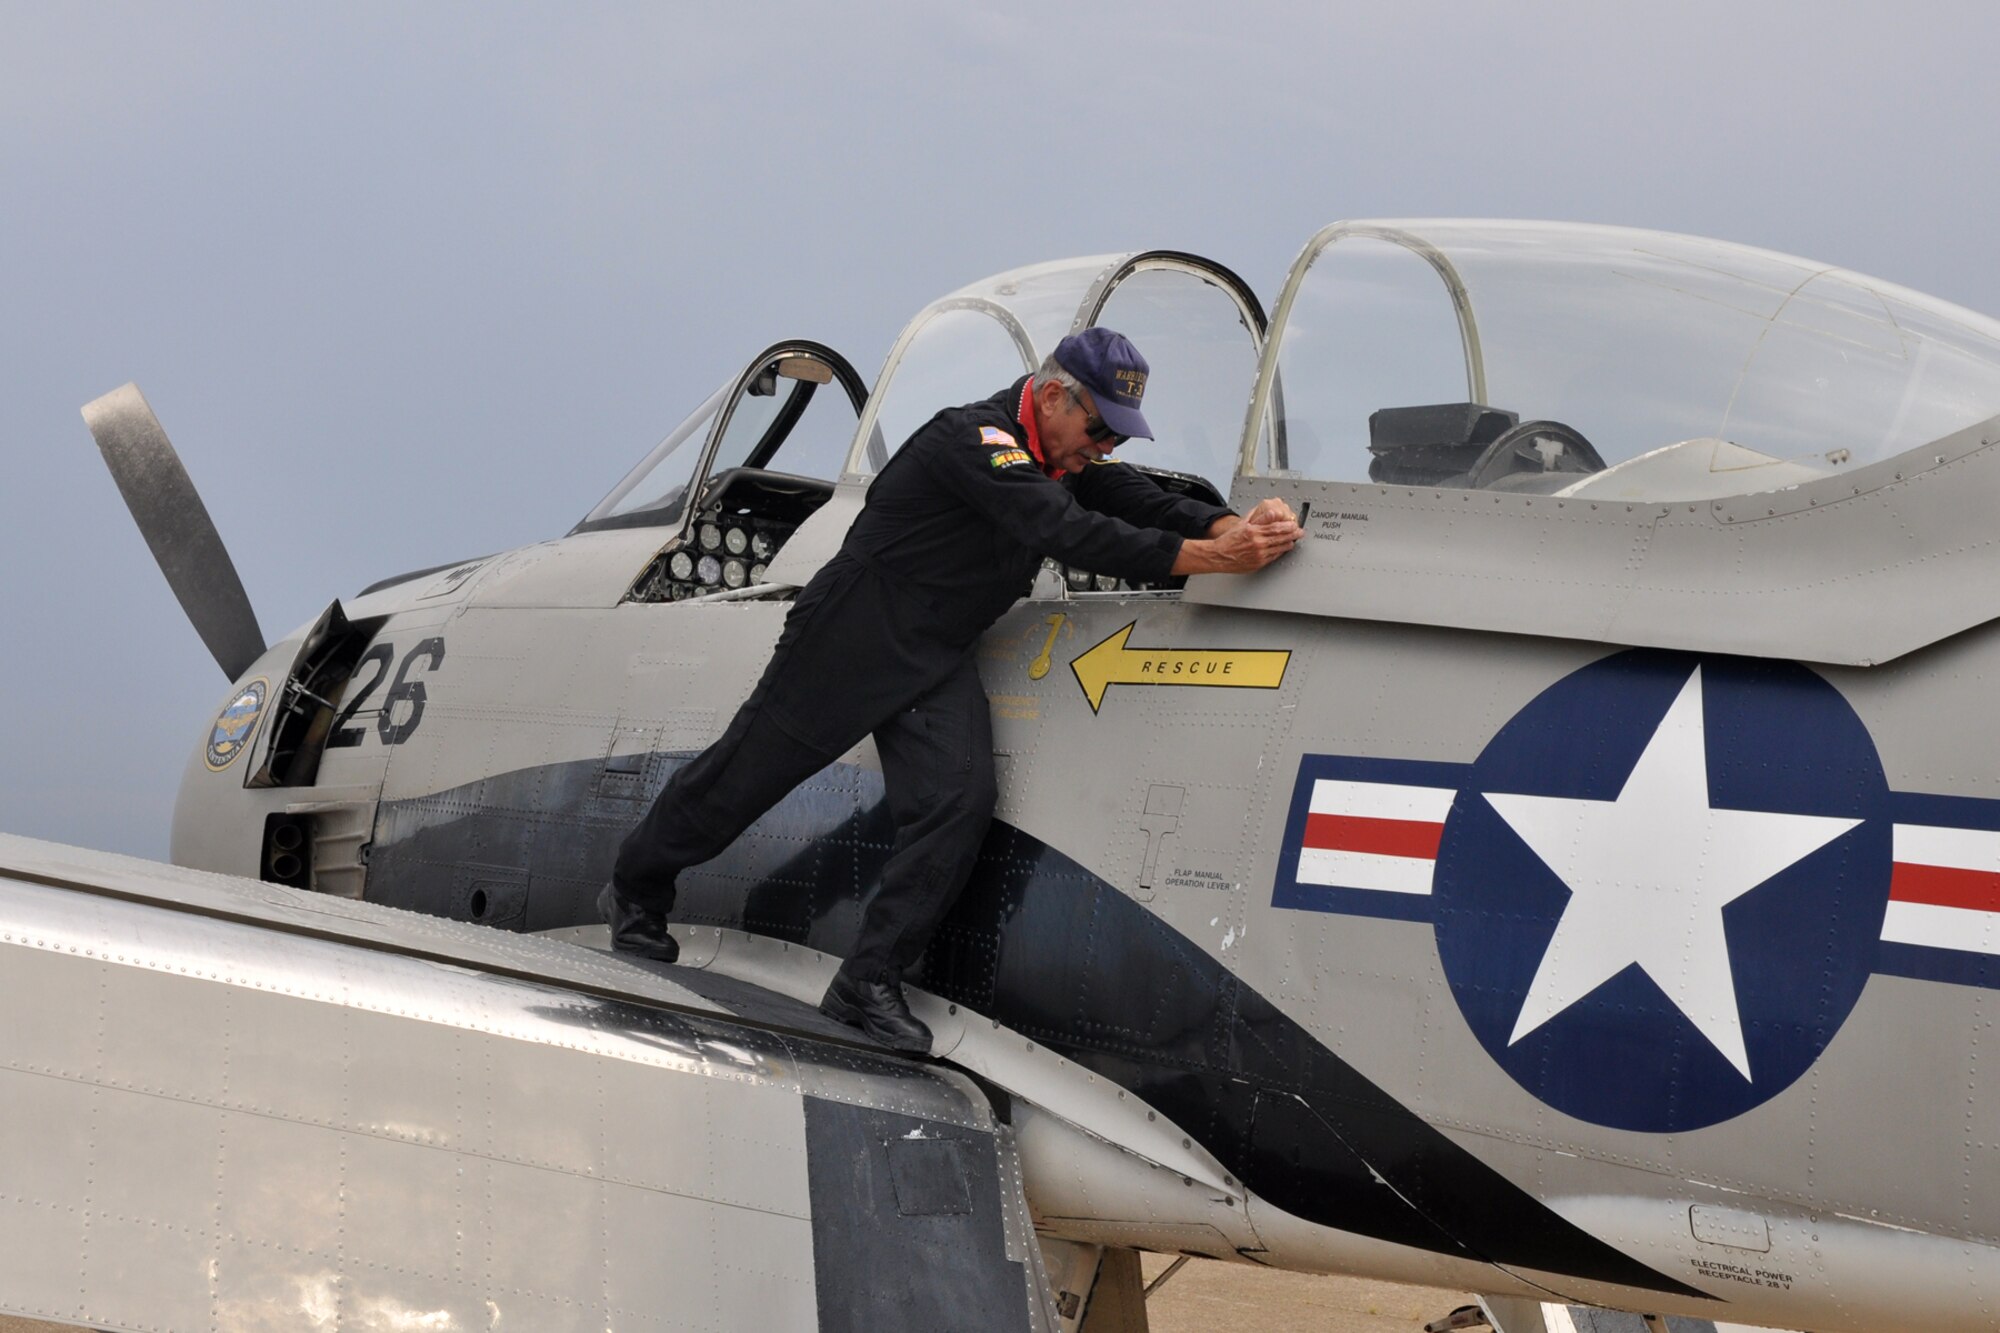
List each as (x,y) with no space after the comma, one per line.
(786,415)
(655,492)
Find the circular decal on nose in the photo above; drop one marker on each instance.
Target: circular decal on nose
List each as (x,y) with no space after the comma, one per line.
(233,729)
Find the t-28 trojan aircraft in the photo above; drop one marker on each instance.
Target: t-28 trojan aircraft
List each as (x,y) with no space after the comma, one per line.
(1572,876)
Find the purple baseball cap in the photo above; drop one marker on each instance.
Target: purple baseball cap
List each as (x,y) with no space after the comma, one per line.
(1107,364)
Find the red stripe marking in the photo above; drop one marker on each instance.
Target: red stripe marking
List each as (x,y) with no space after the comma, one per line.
(1383,837)
(1945,886)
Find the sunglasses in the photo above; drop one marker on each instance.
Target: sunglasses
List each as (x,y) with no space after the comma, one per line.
(1093,425)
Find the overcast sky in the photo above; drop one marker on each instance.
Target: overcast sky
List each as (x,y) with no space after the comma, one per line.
(413,282)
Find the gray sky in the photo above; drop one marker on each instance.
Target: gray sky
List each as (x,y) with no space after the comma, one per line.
(413,282)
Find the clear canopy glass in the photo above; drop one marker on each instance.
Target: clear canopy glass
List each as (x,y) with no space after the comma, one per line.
(656,490)
(971,343)
(959,355)
(1201,347)
(1199,330)
(1689,368)
(1548,358)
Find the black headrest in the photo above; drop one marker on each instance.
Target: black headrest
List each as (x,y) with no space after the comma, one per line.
(1463,425)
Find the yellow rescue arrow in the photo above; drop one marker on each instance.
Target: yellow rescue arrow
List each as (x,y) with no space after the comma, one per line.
(1112,663)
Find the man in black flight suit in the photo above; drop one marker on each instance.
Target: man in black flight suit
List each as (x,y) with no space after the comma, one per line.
(882,641)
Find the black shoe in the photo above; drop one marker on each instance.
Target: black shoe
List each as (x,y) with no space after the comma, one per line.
(636,929)
(878,1009)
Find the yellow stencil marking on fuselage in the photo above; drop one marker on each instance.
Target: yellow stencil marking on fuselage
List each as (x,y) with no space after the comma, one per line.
(1040,666)
(1112,663)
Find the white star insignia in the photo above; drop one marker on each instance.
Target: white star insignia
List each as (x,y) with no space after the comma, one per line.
(1649,874)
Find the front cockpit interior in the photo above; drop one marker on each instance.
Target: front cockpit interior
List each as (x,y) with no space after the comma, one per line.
(736,478)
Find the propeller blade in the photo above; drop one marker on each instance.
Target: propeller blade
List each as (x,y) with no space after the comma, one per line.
(176,526)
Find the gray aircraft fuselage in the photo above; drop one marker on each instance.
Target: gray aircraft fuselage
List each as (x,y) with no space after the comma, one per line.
(1512,889)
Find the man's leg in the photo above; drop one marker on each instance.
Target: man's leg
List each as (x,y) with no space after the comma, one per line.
(707,804)
(757,761)
(937,763)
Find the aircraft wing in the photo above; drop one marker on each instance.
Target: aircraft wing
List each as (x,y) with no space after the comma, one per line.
(230,1104)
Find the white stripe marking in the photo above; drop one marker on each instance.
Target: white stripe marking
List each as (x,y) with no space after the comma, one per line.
(1365,870)
(1381,800)
(1936,927)
(1959,848)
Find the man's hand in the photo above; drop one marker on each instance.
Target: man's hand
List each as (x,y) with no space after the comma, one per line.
(1241,546)
(1273,510)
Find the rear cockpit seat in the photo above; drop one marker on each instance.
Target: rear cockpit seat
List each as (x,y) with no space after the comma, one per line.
(1433,445)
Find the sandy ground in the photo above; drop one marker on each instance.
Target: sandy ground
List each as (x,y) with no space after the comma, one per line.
(1208,1296)
(1212,1297)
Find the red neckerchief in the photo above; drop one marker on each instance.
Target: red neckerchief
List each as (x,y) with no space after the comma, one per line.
(1025,415)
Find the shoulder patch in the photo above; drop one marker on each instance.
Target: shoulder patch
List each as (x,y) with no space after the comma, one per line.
(996,437)
(1009,458)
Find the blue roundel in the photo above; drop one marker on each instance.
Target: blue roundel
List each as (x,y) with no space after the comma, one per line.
(1660,891)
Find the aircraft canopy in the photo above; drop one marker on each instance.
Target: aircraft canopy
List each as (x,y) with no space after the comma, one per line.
(1691,368)
(1535,357)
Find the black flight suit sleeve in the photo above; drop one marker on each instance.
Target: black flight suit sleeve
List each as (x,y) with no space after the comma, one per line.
(1003,483)
(1127,493)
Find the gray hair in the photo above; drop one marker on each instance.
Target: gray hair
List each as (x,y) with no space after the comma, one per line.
(1051,370)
